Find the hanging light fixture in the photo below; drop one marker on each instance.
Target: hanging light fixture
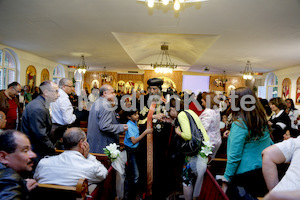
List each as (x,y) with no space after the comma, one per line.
(247,72)
(177,3)
(221,81)
(81,67)
(165,65)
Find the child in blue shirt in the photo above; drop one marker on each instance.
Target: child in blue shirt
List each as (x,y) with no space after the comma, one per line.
(131,141)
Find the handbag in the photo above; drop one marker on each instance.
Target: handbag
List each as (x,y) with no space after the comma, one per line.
(192,147)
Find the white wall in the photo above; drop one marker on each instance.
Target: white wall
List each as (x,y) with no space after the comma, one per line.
(195,83)
(292,73)
(25,59)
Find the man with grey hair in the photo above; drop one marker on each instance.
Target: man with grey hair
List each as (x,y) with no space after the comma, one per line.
(36,121)
(103,126)
(62,112)
(71,165)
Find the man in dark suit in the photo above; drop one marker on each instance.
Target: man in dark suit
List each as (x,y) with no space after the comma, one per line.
(36,121)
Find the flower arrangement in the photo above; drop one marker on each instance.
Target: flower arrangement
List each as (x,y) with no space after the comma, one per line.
(206,150)
(111,151)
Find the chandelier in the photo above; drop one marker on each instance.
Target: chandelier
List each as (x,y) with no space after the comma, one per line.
(221,81)
(81,67)
(165,65)
(106,77)
(247,72)
(177,3)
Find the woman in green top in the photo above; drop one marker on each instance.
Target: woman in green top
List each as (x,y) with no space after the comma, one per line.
(194,166)
(249,136)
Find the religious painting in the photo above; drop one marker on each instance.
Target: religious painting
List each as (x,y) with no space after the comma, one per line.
(298,92)
(31,77)
(45,75)
(121,86)
(167,83)
(286,88)
(139,86)
(128,87)
(95,84)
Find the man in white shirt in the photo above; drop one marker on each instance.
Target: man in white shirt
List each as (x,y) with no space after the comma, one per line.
(289,186)
(71,165)
(62,112)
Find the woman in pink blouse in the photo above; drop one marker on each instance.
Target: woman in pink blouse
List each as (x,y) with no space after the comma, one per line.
(210,119)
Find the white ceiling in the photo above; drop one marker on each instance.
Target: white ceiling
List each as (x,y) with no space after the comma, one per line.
(124,34)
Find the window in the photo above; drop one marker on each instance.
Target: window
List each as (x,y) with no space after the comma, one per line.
(8,68)
(58,73)
(271,86)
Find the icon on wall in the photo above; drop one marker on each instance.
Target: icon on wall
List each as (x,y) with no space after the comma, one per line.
(45,75)
(286,88)
(31,77)
(298,91)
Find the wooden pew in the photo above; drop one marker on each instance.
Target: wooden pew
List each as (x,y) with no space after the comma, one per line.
(105,190)
(51,191)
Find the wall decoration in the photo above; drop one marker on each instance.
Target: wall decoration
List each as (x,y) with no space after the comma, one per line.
(168,82)
(139,86)
(231,87)
(121,86)
(286,88)
(95,84)
(45,75)
(298,92)
(128,87)
(31,77)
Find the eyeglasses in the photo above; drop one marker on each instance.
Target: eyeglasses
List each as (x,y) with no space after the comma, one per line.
(18,91)
(69,86)
(53,91)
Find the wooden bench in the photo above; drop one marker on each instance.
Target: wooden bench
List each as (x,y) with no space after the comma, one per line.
(51,191)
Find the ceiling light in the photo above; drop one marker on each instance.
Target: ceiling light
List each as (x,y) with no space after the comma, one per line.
(81,67)
(177,3)
(150,3)
(221,81)
(247,72)
(165,65)
(165,2)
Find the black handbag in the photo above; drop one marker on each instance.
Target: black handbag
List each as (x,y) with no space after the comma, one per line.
(193,146)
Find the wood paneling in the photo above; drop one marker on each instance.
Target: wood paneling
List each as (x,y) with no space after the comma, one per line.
(176,77)
(236,81)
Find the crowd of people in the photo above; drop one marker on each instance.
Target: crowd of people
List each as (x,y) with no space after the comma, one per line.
(259,134)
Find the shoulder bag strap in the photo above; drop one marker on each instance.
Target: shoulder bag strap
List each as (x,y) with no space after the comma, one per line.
(191,119)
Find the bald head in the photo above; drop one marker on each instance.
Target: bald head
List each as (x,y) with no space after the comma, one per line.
(72,137)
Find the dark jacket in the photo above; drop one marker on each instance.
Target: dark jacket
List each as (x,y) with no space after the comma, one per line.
(281,123)
(4,105)
(12,185)
(36,124)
